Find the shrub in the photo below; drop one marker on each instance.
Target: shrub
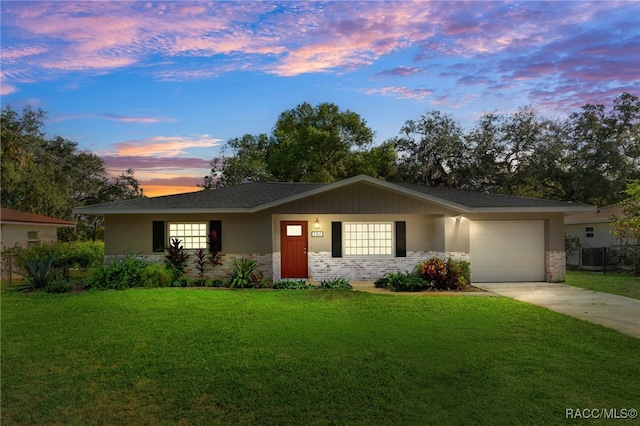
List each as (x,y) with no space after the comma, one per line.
(405,281)
(246,274)
(176,256)
(39,273)
(434,271)
(336,284)
(119,273)
(216,282)
(214,249)
(459,274)
(66,255)
(445,275)
(291,284)
(381,282)
(154,275)
(201,262)
(58,287)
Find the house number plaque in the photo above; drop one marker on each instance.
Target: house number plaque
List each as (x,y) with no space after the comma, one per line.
(317,233)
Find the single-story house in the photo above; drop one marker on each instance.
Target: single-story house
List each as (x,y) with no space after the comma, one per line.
(594,229)
(27,229)
(357,228)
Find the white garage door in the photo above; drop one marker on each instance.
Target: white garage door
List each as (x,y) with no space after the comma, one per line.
(507,251)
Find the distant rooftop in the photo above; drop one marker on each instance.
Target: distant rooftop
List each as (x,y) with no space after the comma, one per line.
(8,216)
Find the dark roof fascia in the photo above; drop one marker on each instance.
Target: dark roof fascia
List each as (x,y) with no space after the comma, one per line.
(54,225)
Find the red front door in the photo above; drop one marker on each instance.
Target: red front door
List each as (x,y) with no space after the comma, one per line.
(293,246)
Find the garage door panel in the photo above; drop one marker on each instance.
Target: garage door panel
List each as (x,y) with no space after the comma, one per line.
(507,251)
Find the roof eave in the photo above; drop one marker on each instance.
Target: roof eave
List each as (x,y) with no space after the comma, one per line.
(103,212)
(541,209)
(58,225)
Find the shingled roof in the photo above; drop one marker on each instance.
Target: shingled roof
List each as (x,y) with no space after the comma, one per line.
(254,197)
(9,216)
(601,215)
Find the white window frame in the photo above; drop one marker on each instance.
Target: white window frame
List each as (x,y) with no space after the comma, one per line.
(192,235)
(33,242)
(368,239)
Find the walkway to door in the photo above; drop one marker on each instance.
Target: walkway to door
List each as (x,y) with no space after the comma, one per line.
(617,312)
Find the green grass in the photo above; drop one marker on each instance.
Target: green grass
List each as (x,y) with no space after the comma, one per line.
(614,283)
(191,356)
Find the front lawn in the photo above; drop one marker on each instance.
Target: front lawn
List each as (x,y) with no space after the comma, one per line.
(194,356)
(615,283)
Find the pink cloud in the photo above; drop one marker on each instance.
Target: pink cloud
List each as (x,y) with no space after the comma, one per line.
(167,146)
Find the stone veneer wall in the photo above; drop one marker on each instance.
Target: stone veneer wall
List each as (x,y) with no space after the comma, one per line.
(322,266)
(556,262)
(222,271)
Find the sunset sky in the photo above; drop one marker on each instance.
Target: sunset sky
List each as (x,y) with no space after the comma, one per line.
(159,87)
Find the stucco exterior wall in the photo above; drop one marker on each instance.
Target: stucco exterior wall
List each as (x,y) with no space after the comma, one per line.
(12,235)
(241,233)
(602,237)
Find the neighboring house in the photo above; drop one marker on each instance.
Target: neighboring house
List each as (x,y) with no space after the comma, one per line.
(594,229)
(27,229)
(357,228)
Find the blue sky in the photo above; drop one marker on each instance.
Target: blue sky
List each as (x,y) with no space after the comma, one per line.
(160,86)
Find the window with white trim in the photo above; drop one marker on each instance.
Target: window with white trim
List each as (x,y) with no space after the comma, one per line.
(368,239)
(33,239)
(191,235)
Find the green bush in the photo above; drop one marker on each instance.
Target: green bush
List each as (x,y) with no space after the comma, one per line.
(155,275)
(216,282)
(405,281)
(291,284)
(119,273)
(335,284)
(39,273)
(66,255)
(58,287)
(245,274)
(459,274)
(381,282)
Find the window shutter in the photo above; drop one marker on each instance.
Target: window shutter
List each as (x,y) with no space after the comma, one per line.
(336,239)
(158,236)
(216,225)
(401,239)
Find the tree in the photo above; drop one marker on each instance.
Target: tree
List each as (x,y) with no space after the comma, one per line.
(314,144)
(432,151)
(50,176)
(307,144)
(247,162)
(603,150)
(628,226)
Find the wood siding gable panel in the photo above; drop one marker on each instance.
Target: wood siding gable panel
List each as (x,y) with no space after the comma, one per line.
(359,198)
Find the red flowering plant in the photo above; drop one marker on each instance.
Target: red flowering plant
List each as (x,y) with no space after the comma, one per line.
(214,249)
(434,271)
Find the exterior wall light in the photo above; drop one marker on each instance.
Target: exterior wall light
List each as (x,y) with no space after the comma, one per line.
(317,224)
(458,217)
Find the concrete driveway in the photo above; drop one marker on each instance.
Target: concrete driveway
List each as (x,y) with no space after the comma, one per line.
(617,312)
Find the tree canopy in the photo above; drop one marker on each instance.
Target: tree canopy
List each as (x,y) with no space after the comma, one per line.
(588,157)
(307,144)
(50,176)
